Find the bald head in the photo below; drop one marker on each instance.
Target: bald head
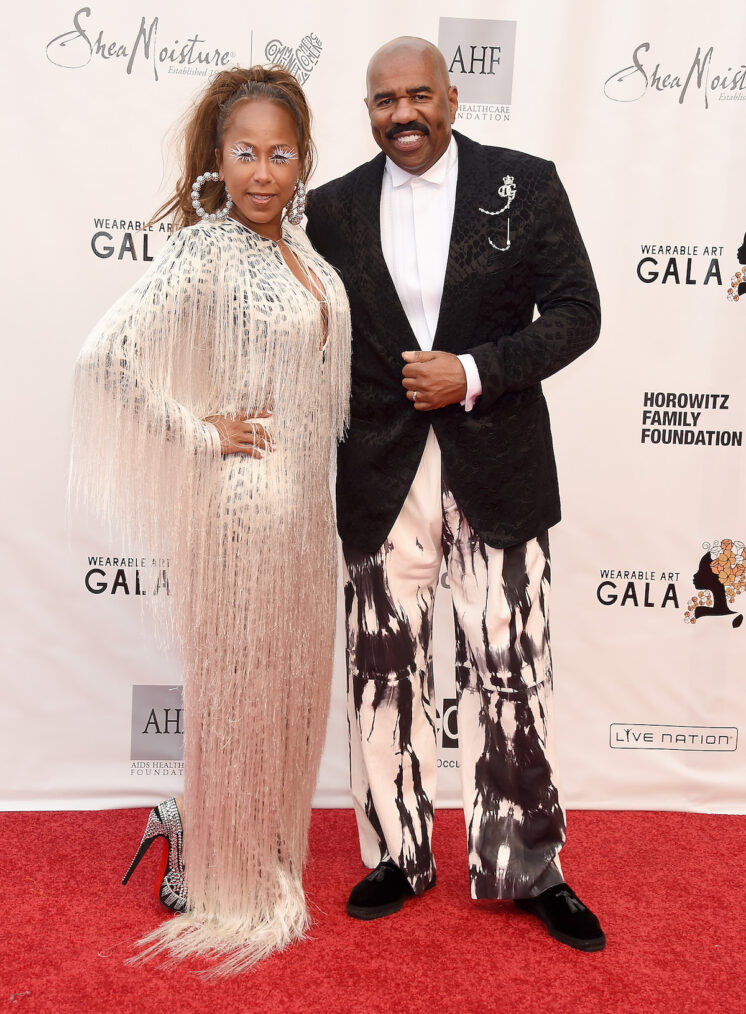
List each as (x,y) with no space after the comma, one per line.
(411,103)
(408,47)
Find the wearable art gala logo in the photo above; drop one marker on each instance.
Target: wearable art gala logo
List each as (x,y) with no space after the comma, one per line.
(126,576)
(85,42)
(693,264)
(132,239)
(719,581)
(701,76)
(480,56)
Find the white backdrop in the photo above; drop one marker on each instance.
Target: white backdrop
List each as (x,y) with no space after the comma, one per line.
(643,108)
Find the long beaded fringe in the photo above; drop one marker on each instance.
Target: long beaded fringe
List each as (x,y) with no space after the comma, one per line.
(219,325)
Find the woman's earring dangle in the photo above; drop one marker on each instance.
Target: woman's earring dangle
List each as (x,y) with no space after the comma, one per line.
(213,216)
(297,207)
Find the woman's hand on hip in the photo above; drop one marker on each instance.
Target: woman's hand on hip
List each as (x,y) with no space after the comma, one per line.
(243,434)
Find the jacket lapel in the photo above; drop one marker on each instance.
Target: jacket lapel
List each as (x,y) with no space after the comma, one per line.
(468,241)
(372,271)
(456,312)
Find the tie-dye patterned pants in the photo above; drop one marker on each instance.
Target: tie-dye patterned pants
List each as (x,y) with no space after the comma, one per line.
(514,818)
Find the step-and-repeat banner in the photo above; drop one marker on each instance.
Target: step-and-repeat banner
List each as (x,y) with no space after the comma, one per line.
(643,108)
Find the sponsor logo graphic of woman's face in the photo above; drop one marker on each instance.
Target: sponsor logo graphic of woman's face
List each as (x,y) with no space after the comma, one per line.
(741,252)
(720,577)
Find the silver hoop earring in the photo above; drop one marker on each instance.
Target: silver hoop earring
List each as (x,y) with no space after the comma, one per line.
(213,216)
(297,206)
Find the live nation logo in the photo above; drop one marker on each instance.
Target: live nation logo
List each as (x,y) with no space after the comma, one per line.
(697,76)
(143,43)
(157,743)
(702,738)
(480,57)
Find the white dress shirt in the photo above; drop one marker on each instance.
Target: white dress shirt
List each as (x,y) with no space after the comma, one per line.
(416,220)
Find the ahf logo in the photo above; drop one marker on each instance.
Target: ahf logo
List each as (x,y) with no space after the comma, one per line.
(157,723)
(480,55)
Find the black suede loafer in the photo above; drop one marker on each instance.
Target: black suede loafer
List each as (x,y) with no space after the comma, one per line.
(382,892)
(566,918)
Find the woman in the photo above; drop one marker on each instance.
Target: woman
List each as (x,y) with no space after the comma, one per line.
(206,403)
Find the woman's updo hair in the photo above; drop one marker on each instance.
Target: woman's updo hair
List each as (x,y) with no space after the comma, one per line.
(204,130)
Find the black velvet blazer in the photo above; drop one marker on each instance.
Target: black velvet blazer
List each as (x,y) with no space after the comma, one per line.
(498,458)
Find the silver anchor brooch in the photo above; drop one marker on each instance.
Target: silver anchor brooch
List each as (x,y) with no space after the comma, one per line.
(508,191)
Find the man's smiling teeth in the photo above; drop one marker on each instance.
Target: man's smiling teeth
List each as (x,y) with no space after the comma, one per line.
(408,139)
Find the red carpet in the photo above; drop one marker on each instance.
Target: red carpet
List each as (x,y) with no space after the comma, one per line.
(668,887)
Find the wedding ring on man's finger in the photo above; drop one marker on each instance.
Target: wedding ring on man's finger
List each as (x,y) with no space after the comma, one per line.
(414,396)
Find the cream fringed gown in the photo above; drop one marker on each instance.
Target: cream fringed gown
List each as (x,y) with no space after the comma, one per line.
(219,325)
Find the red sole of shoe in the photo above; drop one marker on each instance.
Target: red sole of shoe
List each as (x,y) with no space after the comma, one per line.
(162,872)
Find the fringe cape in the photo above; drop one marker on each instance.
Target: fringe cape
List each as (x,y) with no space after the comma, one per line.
(219,326)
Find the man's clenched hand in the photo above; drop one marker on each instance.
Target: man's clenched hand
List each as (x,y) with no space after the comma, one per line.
(433,379)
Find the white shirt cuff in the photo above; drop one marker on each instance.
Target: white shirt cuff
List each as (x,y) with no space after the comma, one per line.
(473,382)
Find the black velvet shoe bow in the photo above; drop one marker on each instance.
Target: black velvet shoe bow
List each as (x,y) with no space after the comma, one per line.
(382,892)
(566,918)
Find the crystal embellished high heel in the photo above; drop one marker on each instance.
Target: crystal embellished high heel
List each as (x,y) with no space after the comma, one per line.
(164,822)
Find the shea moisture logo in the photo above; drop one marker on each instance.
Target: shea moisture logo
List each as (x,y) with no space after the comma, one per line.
(83,43)
(698,78)
(687,419)
(300,61)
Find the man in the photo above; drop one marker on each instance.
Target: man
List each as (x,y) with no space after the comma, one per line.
(445,248)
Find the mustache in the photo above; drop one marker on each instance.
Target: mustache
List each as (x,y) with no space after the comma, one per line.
(406,128)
